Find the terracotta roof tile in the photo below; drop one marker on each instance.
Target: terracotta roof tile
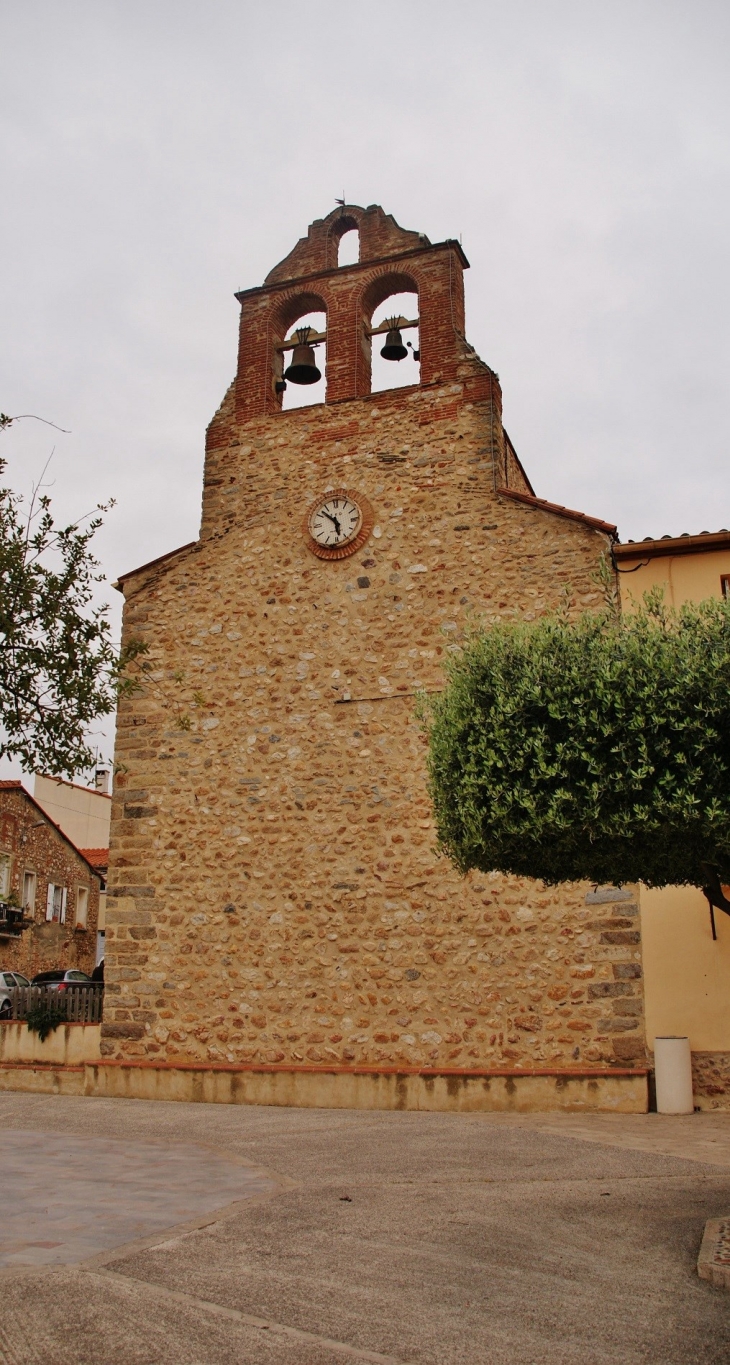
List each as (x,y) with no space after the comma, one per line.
(98,857)
(673,545)
(558,510)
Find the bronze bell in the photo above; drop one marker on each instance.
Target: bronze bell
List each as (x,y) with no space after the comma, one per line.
(393,348)
(302,369)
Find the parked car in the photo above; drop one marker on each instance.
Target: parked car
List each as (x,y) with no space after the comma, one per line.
(60,980)
(98,972)
(8,982)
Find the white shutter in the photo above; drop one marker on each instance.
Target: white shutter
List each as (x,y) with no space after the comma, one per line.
(82,906)
(49,901)
(63,906)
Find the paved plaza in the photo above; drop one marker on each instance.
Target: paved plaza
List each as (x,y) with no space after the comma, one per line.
(138,1233)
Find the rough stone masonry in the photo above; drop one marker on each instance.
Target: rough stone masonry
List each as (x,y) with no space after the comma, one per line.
(274,894)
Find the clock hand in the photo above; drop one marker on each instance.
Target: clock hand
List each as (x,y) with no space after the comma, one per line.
(334,521)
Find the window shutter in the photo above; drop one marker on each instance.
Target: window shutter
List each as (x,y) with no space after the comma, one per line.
(63,906)
(49,901)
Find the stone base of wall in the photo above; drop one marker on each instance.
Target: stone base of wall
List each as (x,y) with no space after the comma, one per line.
(711,1079)
(621,1091)
(67,1045)
(42,1080)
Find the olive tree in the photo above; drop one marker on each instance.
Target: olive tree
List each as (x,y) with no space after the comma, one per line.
(596,748)
(59,669)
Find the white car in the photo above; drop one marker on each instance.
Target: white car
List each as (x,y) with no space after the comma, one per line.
(8,982)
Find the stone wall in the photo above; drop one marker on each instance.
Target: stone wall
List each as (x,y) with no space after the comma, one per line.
(34,844)
(711,1079)
(274,893)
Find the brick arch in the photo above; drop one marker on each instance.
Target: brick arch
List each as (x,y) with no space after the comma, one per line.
(346,222)
(379,288)
(286,312)
(292,307)
(380,236)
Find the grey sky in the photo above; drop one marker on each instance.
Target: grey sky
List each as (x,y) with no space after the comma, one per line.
(159,154)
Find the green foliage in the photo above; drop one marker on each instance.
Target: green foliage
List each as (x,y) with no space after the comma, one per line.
(44,1018)
(59,670)
(595,749)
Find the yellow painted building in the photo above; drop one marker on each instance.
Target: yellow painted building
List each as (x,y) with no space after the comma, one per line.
(687,971)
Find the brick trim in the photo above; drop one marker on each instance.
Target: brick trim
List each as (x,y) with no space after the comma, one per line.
(278,285)
(259,1068)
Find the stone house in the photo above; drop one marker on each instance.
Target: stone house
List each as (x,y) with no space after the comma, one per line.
(43,874)
(275,901)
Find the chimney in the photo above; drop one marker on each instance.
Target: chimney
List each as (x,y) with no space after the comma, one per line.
(101,780)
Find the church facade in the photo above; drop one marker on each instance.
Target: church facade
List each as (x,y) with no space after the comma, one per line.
(277,914)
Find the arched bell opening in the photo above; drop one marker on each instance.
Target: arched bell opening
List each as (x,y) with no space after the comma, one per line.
(344,241)
(348,247)
(300,358)
(389,304)
(395,354)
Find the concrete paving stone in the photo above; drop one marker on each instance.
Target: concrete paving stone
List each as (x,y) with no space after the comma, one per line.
(82,1319)
(713,1262)
(535,1270)
(463,1240)
(68,1197)
(697,1137)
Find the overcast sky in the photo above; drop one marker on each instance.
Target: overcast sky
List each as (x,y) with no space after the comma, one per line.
(159,154)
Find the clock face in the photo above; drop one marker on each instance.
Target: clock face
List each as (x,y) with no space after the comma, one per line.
(335,521)
(338,524)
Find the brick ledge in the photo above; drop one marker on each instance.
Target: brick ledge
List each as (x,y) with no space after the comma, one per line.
(578,1073)
(568,1073)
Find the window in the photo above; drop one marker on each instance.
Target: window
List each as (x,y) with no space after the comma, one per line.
(29,893)
(56,903)
(4,875)
(725,584)
(82,906)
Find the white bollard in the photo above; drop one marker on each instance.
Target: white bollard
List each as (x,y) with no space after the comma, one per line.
(673,1072)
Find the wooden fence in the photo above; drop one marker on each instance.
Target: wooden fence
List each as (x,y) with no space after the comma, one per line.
(76,1004)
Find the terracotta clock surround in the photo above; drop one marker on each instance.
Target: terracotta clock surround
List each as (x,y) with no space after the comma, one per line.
(364,531)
